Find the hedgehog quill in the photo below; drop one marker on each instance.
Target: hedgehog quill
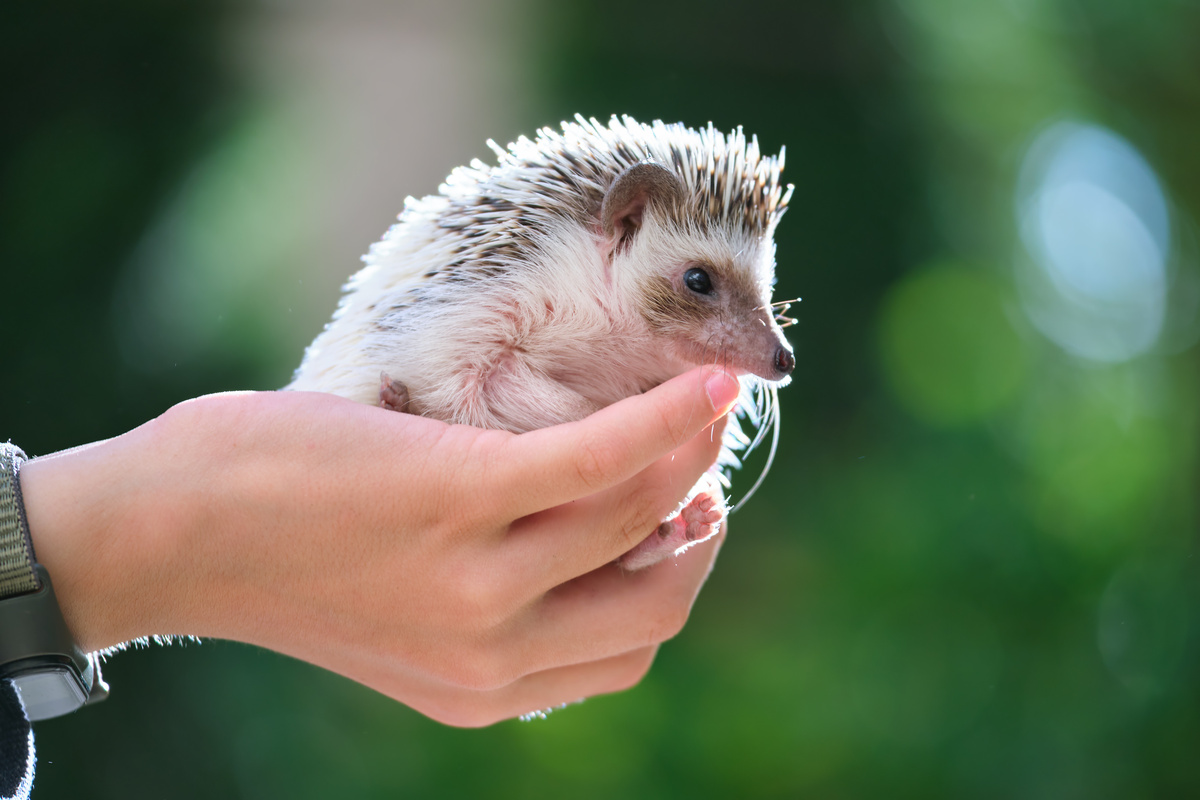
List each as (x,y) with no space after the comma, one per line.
(589,264)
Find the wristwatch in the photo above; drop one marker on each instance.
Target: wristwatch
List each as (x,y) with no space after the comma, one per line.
(37,652)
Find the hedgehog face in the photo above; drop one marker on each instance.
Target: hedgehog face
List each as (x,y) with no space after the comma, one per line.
(709,303)
(703,281)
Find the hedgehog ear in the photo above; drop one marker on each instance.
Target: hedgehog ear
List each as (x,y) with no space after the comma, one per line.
(635,188)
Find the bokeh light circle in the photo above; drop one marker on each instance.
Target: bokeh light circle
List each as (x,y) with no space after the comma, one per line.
(1095,227)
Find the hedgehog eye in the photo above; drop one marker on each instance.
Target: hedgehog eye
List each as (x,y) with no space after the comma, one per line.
(697,280)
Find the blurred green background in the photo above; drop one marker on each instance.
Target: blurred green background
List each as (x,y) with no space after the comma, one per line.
(970,572)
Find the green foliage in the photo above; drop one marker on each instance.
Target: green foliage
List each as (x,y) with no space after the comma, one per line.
(948,346)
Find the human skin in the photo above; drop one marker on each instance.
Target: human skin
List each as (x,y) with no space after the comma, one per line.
(467,573)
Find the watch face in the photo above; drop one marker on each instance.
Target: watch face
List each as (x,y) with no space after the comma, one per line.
(50,690)
(52,675)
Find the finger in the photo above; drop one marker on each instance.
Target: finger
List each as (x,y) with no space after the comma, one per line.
(566,462)
(553,546)
(539,692)
(611,611)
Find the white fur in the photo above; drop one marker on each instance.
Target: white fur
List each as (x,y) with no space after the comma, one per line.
(548,327)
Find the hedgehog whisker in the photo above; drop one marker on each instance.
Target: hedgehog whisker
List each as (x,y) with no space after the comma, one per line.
(782,306)
(780,315)
(769,395)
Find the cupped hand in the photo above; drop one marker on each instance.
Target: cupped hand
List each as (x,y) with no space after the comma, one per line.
(466,573)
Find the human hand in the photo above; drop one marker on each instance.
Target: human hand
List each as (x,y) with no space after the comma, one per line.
(466,573)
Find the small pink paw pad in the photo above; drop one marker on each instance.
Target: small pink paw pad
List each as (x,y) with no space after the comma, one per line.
(697,521)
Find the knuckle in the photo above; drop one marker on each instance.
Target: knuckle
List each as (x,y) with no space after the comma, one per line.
(668,626)
(479,611)
(634,670)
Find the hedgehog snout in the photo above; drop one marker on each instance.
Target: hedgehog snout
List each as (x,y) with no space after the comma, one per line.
(767,354)
(785,362)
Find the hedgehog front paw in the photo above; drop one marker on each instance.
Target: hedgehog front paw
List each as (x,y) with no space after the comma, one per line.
(699,520)
(393,395)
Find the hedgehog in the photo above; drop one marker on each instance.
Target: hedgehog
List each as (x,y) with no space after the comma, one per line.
(589,264)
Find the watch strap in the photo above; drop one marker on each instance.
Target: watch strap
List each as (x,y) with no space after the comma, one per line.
(49,671)
(17,575)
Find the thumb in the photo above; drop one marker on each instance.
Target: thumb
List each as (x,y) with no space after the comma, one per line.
(576,459)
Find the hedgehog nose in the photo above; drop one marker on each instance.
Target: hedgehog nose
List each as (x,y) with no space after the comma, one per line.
(785,362)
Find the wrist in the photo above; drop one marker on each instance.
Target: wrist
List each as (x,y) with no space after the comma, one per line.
(80,505)
(51,672)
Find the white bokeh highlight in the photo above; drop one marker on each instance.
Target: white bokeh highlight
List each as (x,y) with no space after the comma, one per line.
(1095,226)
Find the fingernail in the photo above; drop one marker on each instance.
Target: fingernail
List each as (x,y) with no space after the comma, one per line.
(722,389)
